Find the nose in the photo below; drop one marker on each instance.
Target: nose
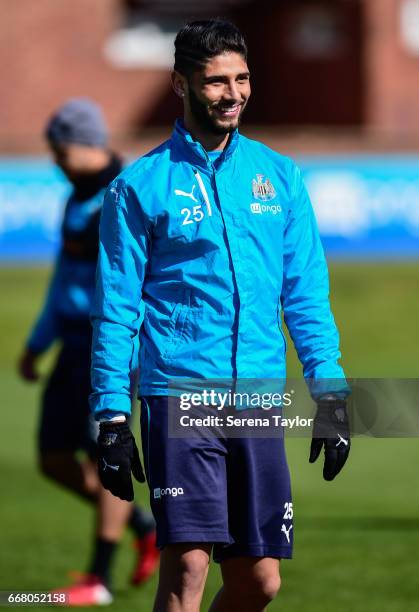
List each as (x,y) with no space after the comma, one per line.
(232,91)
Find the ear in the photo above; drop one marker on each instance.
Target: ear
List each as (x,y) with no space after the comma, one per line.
(178,84)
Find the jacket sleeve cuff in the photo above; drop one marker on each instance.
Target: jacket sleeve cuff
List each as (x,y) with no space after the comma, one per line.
(326,386)
(109,405)
(112,417)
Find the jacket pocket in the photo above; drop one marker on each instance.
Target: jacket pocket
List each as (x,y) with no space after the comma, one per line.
(177,326)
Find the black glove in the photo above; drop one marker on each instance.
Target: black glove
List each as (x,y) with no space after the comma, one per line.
(331,429)
(117,457)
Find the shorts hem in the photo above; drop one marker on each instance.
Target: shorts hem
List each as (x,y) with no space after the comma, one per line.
(177,537)
(252,550)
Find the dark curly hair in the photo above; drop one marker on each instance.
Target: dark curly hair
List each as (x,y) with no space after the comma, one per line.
(198,41)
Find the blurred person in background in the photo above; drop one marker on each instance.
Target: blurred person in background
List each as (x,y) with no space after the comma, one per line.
(77,138)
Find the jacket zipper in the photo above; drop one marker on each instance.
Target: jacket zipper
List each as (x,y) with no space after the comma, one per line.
(204,192)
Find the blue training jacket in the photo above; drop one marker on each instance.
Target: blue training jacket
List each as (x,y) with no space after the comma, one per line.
(66,311)
(215,251)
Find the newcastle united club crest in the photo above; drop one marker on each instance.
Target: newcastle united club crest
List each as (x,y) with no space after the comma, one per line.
(263,189)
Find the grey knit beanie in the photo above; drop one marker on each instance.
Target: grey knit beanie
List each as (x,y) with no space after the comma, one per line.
(79,120)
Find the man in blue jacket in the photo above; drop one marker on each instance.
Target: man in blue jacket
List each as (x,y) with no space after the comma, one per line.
(77,137)
(215,234)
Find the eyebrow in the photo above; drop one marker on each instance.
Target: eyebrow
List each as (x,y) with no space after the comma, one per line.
(221,77)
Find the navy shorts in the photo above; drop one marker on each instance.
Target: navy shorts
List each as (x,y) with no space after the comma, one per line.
(234,492)
(66,422)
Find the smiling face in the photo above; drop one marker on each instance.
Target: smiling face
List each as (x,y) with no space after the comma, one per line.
(215,97)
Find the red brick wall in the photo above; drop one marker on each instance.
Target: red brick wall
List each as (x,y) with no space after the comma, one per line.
(391,72)
(51,50)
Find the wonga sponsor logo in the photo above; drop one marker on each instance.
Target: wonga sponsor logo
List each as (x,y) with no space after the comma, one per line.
(158,493)
(258,209)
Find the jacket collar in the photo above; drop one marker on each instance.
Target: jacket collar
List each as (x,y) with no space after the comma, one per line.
(196,153)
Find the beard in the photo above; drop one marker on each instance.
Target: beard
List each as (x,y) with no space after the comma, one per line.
(201,114)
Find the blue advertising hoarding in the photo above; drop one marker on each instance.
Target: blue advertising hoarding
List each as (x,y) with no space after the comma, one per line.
(366,206)
(32,196)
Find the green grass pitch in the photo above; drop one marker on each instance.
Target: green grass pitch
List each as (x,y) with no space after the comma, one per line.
(356,539)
